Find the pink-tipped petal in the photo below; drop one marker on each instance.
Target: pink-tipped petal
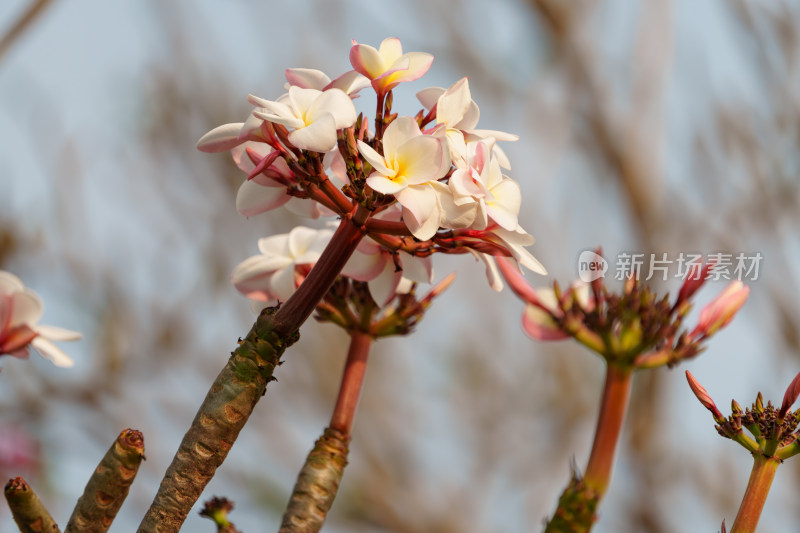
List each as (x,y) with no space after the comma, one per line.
(221,139)
(253,198)
(366,60)
(307,78)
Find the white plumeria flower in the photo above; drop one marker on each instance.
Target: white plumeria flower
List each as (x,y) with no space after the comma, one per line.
(20,310)
(270,275)
(374,264)
(498,197)
(308,78)
(388,66)
(263,192)
(456,110)
(515,242)
(314,115)
(411,163)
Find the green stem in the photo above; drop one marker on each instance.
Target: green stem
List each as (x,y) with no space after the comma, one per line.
(238,387)
(317,484)
(27,509)
(755,495)
(107,488)
(322,472)
(614,404)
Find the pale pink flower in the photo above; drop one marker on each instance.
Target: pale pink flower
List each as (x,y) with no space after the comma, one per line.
(222,138)
(272,274)
(410,163)
(387,273)
(266,189)
(314,116)
(458,113)
(721,310)
(388,66)
(350,82)
(20,310)
(481,182)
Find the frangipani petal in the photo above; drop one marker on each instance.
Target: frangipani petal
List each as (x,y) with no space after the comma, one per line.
(375,159)
(26,308)
(221,139)
(54,333)
(50,351)
(253,198)
(319,136)
(384,185)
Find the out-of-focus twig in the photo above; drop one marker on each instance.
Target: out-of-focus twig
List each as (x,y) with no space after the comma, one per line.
(25,20)
(28,510)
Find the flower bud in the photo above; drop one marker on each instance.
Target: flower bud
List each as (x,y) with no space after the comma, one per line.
(721,310)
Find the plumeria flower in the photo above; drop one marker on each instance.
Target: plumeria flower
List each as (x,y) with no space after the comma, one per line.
(458,113)
(516,242)
(20,310)
(272,275)
(387,274)
(308,78)
(498,198)
(411,162)
(388,66)
(313,115)
(266,189)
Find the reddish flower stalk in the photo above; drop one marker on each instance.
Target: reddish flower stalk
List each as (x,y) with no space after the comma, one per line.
(352,379)
(318,481)
(755,495)
(613,406)
(302,303)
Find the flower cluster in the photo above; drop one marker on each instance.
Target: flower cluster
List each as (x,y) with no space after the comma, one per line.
(432,182)
(773,431)
(636,328)
(20,310)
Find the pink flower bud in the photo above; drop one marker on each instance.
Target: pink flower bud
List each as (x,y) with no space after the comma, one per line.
(792,392)
(703,396)
(721,310)
(695,278)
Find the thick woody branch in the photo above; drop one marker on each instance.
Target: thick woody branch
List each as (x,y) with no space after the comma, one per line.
(108,487)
